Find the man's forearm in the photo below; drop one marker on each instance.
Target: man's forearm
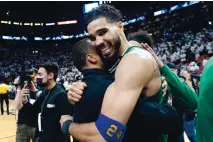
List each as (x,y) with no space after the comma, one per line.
(18,100)
(85,132)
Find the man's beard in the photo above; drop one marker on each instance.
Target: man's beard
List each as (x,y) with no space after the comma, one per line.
(109,62)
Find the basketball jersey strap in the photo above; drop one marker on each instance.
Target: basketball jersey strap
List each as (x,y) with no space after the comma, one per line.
(113,68)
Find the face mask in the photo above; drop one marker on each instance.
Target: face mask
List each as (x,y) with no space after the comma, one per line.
(40,83)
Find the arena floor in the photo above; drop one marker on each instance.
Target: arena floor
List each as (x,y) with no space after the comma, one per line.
(8,126)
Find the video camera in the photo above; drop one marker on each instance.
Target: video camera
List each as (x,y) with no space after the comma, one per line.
(25,77)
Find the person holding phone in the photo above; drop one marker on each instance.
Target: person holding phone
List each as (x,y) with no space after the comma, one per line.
(27,116)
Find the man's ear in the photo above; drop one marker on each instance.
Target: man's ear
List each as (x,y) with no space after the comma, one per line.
(51,75)
(120,25)
(91,58)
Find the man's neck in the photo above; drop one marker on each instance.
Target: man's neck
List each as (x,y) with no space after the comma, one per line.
(51,85)
(124,46)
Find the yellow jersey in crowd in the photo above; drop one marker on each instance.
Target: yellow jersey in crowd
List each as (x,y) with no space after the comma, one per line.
(4,88)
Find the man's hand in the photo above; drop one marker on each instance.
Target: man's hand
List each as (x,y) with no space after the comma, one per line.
(158,60)
(164,85)
(75,91)
(32,87)
(65,118)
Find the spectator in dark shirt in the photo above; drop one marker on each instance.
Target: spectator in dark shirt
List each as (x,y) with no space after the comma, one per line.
(51,105)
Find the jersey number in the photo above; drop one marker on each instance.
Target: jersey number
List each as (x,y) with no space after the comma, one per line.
(111,130)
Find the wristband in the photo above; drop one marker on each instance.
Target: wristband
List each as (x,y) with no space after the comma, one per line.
(111,130)
(65,127)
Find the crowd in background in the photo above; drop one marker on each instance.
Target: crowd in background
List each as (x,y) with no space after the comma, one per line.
(179,48)
(184,48)
(13,62)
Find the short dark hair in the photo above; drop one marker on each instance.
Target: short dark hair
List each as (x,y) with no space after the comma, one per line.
(141,37)
(79,52)
(109,12)
(50,68)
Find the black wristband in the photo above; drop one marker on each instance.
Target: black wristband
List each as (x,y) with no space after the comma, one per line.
(65,127)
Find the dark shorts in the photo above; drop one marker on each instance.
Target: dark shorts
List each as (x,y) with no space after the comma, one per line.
(25,133)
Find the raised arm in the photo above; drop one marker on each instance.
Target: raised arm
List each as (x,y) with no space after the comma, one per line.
(18,99)
(185,93)
(22,93)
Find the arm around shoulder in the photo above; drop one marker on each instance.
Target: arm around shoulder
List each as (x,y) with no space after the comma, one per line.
(119,100)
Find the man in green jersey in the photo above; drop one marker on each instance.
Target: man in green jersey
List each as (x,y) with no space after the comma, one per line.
(204,122)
